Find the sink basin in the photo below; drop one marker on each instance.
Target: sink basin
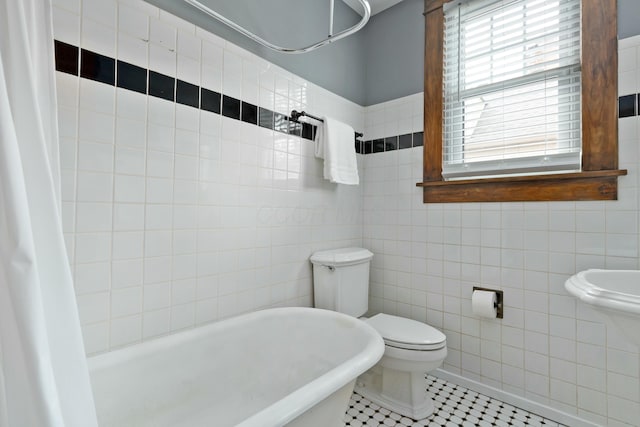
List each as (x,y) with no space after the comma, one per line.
(615,293)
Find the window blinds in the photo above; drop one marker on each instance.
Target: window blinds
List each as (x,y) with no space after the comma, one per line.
(511,88)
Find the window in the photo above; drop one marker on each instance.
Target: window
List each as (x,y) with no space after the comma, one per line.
(520,99)
(511,87)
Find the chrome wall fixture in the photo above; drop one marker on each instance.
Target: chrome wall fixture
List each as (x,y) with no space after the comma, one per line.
(332,37)
(295,115)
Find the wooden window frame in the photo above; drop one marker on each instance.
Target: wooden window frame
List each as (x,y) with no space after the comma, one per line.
(598,179)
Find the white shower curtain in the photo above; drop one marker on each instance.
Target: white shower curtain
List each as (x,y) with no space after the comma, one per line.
(43,370)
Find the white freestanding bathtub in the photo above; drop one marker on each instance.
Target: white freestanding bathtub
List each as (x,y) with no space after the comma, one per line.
(283,366)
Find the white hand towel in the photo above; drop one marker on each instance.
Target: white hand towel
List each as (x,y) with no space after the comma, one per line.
(335,144)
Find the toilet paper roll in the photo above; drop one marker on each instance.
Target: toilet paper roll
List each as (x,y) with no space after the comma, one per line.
(483,304)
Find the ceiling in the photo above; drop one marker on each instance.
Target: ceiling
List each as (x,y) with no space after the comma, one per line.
(377,6)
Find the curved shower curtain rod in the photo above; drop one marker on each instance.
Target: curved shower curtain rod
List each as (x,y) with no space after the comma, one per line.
(332,37)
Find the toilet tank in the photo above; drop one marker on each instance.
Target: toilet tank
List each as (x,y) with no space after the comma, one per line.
(341,280)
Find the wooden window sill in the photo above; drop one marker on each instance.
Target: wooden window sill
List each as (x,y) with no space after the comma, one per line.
(579,186)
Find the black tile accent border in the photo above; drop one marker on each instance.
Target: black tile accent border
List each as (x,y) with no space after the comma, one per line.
(131,77)
(307,131)
(187,94)
(405,141)
(265,118)
(210,100)
(391,143)
(418,139)
(94,66)
(627,106)
(230,107)
(295,128)
(368,147)
(67,57)
(249,113)
(280,123)
(162,86)
(86,64)
(97,67)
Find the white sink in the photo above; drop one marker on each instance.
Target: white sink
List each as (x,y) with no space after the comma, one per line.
(615,293)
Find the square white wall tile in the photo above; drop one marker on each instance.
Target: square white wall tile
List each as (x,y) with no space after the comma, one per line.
(133,22)
(133,50)
(98,37)
(126,330)
(169,160)
(66,25)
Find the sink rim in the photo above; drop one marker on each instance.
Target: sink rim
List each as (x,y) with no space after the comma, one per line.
(579,286)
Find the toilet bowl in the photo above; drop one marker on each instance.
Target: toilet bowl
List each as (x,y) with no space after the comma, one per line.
(397,382)
(412,348)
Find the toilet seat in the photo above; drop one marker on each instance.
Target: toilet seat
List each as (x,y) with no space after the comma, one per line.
(407,334)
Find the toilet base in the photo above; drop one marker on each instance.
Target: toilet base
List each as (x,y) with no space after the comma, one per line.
(400,392)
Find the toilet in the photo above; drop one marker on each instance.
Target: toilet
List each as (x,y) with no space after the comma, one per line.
(412,348)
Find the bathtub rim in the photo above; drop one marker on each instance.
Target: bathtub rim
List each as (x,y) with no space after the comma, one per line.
(298,401)
(325,385)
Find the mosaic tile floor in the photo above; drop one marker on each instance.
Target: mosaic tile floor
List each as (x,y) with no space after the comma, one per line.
(455,406)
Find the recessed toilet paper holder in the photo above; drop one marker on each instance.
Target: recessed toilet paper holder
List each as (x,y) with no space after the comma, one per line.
(499,300)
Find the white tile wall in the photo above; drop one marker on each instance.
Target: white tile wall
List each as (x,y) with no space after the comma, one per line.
(548,348)
(174,216)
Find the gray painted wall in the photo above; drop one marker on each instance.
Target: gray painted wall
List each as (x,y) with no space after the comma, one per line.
(383,61)
(628,18)
(337,67)
(394,44)
(394,48)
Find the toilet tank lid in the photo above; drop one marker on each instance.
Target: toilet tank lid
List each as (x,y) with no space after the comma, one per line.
(343,256)
(406,331)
